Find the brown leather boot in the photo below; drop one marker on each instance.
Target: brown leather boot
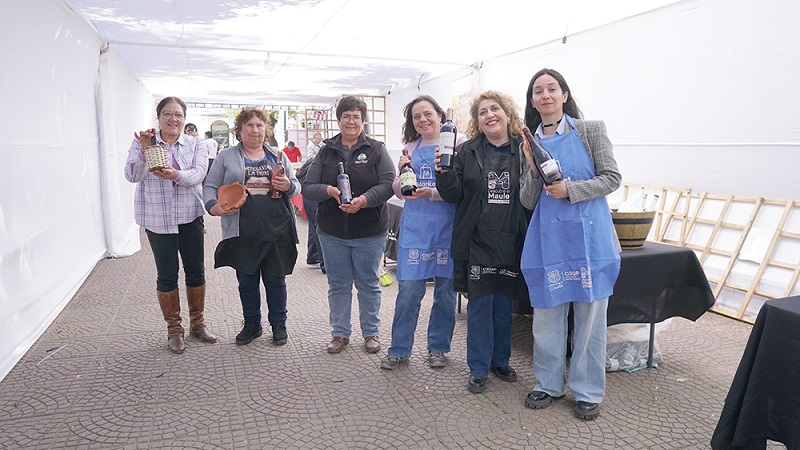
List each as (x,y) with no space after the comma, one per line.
(171,309)
(197,301)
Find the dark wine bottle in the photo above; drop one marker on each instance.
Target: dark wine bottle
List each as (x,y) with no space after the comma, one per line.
(447,141)
(343,183)
(547,167)
(408,179)
(277,171)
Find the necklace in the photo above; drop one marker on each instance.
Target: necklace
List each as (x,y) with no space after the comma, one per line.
(259,155)
(554,123)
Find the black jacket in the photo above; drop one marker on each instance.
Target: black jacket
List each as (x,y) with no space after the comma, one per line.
(465,185)
(371,173)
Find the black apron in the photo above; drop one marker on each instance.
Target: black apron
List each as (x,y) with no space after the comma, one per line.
(265,240)
(496,243)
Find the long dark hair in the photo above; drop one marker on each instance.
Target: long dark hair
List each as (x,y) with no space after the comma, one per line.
(410,133)
(532,116)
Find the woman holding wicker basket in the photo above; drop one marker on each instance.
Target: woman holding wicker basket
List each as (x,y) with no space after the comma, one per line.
(168,169)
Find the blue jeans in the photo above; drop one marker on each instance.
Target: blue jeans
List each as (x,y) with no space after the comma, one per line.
(406,315)
(348,262)
(488,333)
(587,366)
(250,295)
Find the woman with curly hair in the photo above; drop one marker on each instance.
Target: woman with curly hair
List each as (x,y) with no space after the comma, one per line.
(488,231)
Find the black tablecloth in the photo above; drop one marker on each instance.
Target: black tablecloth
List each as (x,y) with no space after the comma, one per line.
(764,399)
(656,282)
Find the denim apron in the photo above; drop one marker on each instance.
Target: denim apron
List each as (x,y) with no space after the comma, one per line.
(570,252)
(426,227)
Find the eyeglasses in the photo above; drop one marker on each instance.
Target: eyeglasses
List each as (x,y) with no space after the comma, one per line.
(170,114)
(349,118)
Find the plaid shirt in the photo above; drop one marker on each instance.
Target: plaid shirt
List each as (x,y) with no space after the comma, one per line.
(161,205)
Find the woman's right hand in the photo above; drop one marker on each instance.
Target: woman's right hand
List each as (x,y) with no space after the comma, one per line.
(143,137)
(403,161)
(334,192)
(526,150)
(218,209)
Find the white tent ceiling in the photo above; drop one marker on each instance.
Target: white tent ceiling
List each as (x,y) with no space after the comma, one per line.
(309,52)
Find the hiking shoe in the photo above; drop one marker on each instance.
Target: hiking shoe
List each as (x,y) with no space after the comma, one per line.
(540,399)
(248,333)
(279,335)
(392,362)
(587,410)
(436,359)
(337,344)
(372,344)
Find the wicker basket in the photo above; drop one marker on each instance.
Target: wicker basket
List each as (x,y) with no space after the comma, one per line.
(632,227)
(156,157)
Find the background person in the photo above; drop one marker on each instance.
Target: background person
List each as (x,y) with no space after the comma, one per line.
(313,248)
(212,148)
(571,232)
(353,236)
(292,152)
(426,228)
(488,232)
(167,205)
(314,146)
(259,240)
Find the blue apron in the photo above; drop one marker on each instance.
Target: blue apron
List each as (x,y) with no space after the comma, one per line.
(426,227)
(570,252)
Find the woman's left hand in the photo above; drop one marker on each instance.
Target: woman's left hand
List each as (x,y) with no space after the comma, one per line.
(282,183)
(166,174)
(354,206)
(558,189)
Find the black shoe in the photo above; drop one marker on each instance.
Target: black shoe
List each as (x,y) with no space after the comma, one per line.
(248,333)
(477,384)
(322,268)
(540,400)
(587,410)
(279,335)
(312,262)
(505,373)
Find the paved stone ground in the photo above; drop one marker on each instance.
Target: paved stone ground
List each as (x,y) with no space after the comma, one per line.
(102,377)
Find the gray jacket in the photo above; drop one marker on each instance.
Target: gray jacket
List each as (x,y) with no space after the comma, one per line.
(229,167)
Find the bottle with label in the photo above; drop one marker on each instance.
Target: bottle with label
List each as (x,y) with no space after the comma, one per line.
(343,183)
(447,141)
(277,171)
(547,167)
(408,179)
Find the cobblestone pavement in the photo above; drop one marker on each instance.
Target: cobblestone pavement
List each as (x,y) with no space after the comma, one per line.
(101,376)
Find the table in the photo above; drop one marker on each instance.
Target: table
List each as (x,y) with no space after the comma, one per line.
(655,282)
(297,201)
(764,399)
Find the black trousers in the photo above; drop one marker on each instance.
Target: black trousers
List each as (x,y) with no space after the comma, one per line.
(190,245)
(314,249)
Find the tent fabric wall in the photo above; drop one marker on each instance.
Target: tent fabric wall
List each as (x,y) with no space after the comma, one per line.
(54,224)
(699,93)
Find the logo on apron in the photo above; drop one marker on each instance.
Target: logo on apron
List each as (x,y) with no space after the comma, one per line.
(413,256)
(442,256)
(499,188)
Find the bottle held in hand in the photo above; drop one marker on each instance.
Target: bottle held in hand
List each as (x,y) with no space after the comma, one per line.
(547,167)
(277,171)
(408,179)
(447,141)
(343,183)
